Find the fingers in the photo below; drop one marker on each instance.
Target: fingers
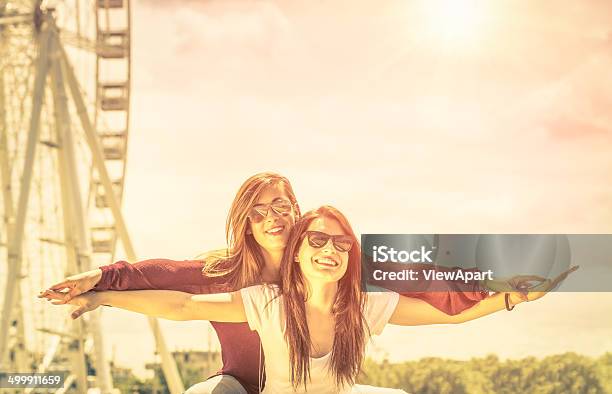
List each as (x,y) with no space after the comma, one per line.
(558,280)
(570,270)
(566,273)
(62,285)
(72,293)
(52,295)
(57,297)
(60,295)
(43,294)
(522,287)
(78,312)
(562,276)
(546,285)
(543,287)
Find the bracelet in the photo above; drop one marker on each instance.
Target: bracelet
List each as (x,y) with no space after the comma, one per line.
(507,299)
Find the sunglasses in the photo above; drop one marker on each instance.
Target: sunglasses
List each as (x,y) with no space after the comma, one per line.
(317,239)
(259,212)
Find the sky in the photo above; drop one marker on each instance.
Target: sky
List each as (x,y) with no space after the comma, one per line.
(411,117)
(494,120)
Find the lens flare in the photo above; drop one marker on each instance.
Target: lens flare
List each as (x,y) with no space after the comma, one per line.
(454,23)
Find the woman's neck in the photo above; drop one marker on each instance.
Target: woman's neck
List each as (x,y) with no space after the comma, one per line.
(321,296)
(272,261)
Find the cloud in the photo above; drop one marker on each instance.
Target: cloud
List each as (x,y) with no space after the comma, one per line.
(214,47)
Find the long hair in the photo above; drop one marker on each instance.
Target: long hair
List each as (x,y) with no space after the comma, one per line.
(350,326)
(241,263)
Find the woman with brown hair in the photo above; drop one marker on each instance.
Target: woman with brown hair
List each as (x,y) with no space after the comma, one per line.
(258,223)
(314,326)
(257,228)
(261,215)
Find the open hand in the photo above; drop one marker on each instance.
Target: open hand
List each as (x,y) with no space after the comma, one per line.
(525,283)
(540,290)
(85,302)
(516,283)
(74,285)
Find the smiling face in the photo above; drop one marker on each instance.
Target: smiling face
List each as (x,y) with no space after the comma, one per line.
(272,230)
(317,268)
(326,263)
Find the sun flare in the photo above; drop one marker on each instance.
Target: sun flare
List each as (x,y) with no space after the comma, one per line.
(454,23)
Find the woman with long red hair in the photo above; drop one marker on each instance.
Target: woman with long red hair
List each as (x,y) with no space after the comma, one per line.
(314,325)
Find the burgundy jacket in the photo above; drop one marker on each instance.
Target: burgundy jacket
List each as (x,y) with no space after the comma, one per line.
(240,347)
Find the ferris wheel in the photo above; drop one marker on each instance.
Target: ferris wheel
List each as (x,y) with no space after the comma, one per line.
(64,117)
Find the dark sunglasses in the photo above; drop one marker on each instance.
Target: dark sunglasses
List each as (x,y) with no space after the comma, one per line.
(317,239)
(259,212)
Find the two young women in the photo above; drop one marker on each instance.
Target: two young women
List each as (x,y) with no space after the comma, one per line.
(328,318)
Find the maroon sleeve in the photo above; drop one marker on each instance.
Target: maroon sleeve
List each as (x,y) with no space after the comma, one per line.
(458,296)
(157,274)
(450,303)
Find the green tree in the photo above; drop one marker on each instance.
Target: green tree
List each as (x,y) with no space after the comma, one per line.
(567,373)
(564,373)
(604,371)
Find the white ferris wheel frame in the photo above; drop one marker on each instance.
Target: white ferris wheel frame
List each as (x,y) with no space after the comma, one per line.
(53,62)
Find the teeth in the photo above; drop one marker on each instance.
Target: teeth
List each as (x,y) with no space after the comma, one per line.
(275,230)
(326,261)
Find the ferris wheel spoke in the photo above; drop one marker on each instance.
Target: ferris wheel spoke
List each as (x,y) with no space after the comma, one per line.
(72,202)
(62,125)
(113,44)
(5,179)
(5,172)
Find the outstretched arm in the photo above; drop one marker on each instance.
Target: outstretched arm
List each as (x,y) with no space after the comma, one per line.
(152,274)
(167,304)
(155,274)
(413,312)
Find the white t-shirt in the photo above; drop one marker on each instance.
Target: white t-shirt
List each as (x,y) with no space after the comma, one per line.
(265,315)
